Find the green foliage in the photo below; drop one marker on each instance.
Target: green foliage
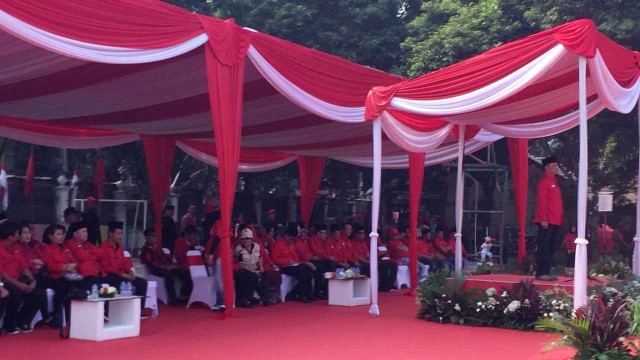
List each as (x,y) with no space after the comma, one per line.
(611,267)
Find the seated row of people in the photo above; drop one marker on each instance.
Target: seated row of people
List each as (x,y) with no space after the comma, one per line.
(65,264)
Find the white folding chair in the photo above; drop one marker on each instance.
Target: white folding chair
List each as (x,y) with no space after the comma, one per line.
(288,283)
(203,284)
(402,278)
(151,301)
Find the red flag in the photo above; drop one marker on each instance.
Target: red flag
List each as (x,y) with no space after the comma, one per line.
(28,178)
(99,179)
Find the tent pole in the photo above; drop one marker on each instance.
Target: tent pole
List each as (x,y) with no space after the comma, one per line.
(636,239)
(375,211)
(459,200)
(580,283)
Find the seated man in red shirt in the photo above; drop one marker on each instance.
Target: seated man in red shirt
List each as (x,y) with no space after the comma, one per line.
(161,264)
(119,268)
(285,256)
(333,248)
(305,254)
(399,252)
(444,251)
(427,253)
(360,248)
(18,281)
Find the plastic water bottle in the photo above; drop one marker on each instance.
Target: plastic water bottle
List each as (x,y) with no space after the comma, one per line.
(123,288)
(129,286)
(94,292)
(132,289)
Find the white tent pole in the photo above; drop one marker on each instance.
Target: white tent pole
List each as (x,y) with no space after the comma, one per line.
(375,213)
(459,198)
(580,278)
(636,239)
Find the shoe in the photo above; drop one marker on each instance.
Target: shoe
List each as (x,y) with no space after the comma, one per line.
(271,301)
(145,313)
(244,303)
(312,297)
(143,316)
(13,331)
(320,296)
(24,328)
(305,300)
(547,278)
(215,307)
(55,322)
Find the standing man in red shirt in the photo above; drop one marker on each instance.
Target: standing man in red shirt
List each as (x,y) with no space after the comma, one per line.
(548,217)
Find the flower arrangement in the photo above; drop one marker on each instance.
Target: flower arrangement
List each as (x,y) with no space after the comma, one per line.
(611,267)
(107,292)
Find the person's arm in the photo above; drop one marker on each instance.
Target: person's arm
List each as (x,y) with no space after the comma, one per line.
(543,203)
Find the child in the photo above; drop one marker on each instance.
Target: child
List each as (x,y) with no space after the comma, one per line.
(485,249)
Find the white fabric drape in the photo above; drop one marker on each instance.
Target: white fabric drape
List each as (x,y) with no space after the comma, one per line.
(614,96)
(545,128)
(488,95)
(302,98)
(459,201)
(375,213)
(67,142)
(636,239)
(92,52)
(410,139)
(580,277)
(242,167)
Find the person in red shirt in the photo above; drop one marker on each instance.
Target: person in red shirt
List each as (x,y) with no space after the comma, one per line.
(360,248)
(161,264)
(399,251)
(332,247)
(452,244)
(119,268)
(59,262)
(548,217)
(285,256)
(271,271)
(86,254)
(427,253)
(570,246)
(188,241)
(19,282)
(266,237)
(305,254)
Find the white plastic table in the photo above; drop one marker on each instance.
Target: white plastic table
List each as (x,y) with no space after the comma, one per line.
(350,292)
(87,318)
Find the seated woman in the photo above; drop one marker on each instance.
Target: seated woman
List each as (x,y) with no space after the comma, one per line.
(61,265)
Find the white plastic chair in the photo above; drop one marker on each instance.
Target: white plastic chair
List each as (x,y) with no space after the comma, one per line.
(288,283)
(402,278)
(203,284)
(161,289)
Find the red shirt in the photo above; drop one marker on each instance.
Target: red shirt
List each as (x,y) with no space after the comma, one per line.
(283,253)
(360,248)
(549,200)
(266,241)
(569,243)
(442,246)
(345,248)
(154,256)
(317,248)
(30,252)
(267,263)
(331,249)
(452,245)
(302,249)
(88,257)
(393,245)
(113,260)
(55,258)
(180,250)
(425,248)
(12,261)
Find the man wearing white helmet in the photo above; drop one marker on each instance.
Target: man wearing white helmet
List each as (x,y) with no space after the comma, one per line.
(249,274)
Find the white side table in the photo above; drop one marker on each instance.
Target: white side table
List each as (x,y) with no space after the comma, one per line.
(350,292)
(87,318)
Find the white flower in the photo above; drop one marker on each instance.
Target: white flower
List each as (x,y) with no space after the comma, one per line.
(479,303)
(514,305)
(457,307)
(477,310)
(546,315)
(490,292)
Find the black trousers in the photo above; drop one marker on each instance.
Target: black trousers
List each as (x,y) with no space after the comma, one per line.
(304,275)
(322,266)
(434,264)
(140,285)
(31,303)
(247,282)
(545,248)
(60,289)
(571,260)
(185,279)
(169,277)
(387,271)
(3,304)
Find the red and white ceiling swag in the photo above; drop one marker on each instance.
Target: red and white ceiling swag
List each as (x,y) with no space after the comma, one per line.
(533,87)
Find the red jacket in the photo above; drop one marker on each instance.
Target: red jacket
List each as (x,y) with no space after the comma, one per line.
(88,257)
(302,249)
(154,256)
(266,241)
(113,260)
(549,200)
(452,245)
(180,251)
(345,247)
(267,263)
(283,253)
(442,246)
(360,248)
(317,248)
(11,261)
(392,246)
(55,258)
(30,252)
(569,243)
(331,249)
(425,248)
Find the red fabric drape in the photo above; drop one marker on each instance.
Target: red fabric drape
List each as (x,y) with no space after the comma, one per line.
(416,177)
(225,56)
(519,156)
(28,178)
(311,169)
(99,178)
(159,152)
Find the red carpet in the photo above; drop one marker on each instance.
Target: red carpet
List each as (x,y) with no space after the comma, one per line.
(499,281)
(293,330)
